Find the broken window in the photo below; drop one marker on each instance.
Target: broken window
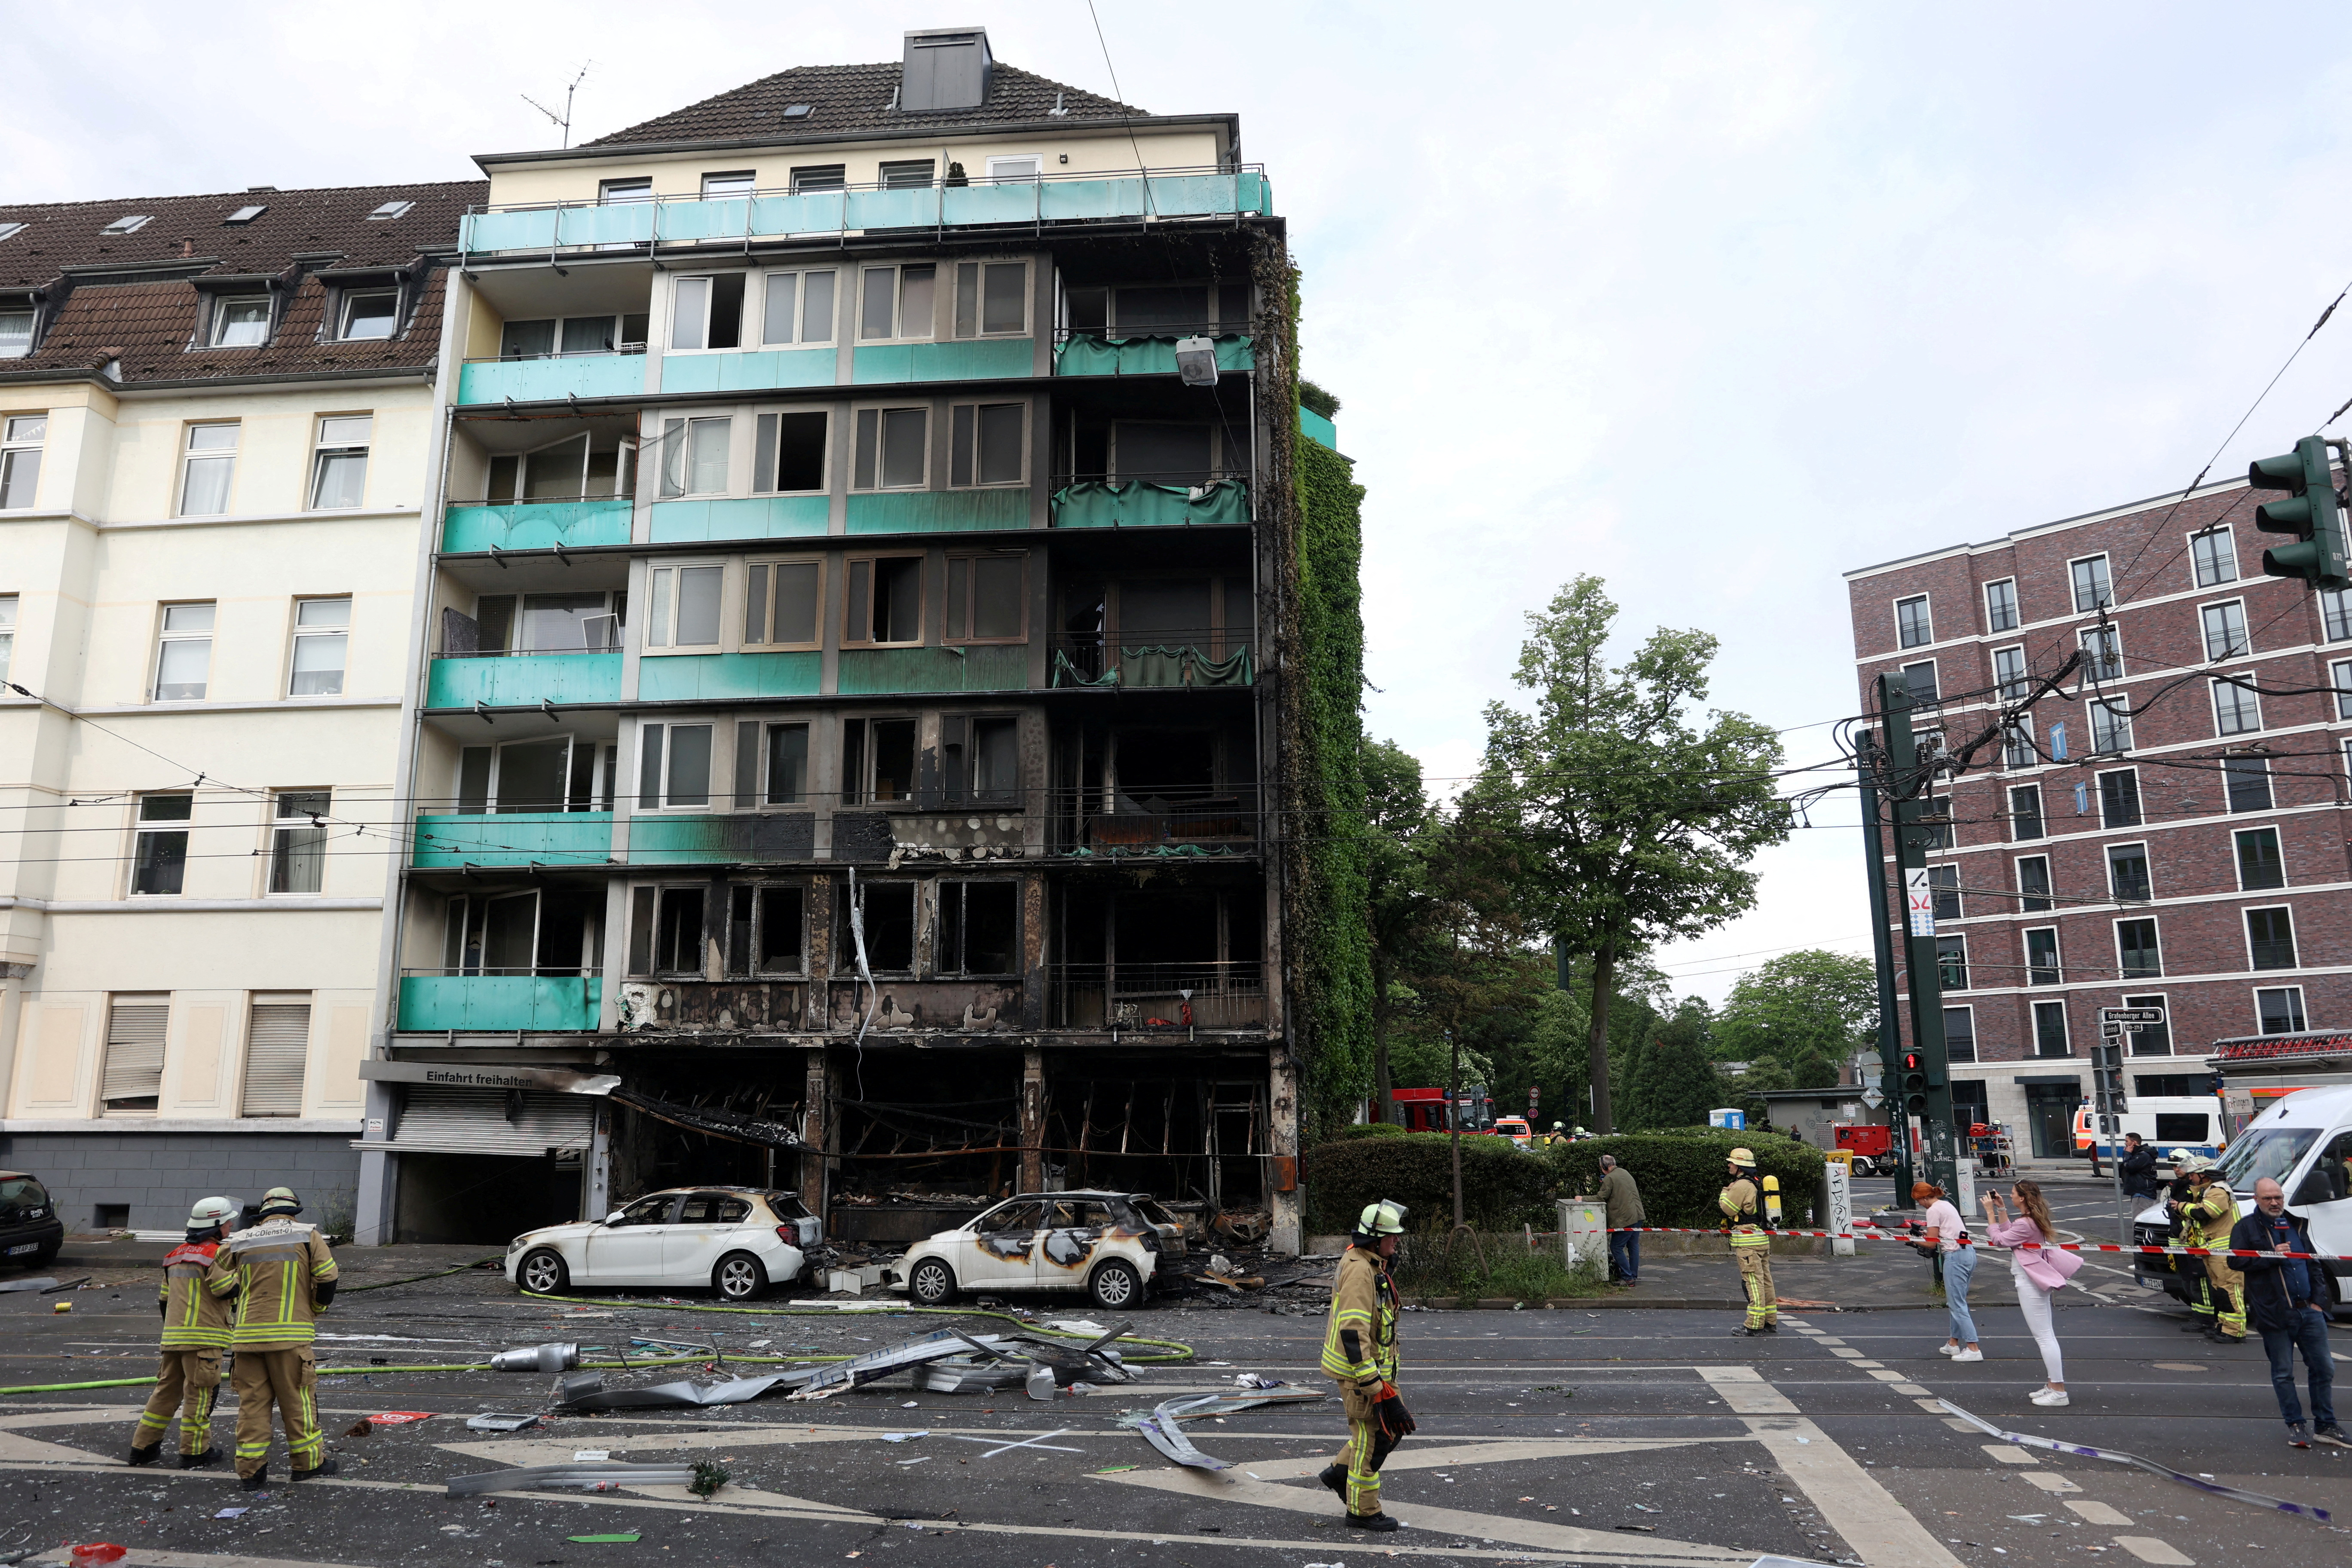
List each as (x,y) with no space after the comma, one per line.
(765,933)
(666,930)
(707,312)
(884,766)
(995,762)
(987,443)
(992,297)
(780,603)
(890,928)
(694,457)
(789,452)
(980,928)
(787,749)
(893,449)
(884,600)
(685,609)
(987,601)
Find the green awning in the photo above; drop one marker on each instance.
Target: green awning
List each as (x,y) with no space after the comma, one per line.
(1092,353)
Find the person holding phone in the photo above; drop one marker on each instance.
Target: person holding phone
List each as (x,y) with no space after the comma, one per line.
(2039,1269)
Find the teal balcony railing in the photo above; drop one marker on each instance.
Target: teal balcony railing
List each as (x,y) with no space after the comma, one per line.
(500,1003)
(551,378)
(523,680)
(537,525)
(1159,193)
(512,838)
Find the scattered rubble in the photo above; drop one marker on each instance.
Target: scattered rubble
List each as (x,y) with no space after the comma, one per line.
(609,1475)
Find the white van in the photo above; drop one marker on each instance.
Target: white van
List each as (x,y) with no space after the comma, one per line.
(2164,1122)
(2304,1142)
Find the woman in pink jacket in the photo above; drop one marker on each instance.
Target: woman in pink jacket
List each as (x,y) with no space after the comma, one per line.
(2039,1270)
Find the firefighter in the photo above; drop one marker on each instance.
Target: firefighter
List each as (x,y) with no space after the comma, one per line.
(195,1333)
(282,1277)
(1558,1136)
(1749,1244)
(2213,1211)
(1360,1352)
(2180,1193)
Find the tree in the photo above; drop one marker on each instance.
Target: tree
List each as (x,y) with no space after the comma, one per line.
(1671,1079)
(1400,906)
(1809,1010)
(1631,814)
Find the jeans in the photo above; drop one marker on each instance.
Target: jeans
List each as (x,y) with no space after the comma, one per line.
(2306,1330)
(1626,1255)
(1959,1266)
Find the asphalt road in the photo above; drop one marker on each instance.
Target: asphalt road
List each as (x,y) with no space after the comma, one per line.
(1649,1437)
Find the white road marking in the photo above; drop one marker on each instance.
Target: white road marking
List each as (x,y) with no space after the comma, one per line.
(2099,1513)
(1036,1442)
(2010,1454)
(2148,1549)
(2046,1480)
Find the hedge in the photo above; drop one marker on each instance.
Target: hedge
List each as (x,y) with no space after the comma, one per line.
(1503,1187)
(1369,1130)
(1679,1173)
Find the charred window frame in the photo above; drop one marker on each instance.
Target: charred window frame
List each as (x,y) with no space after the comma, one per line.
(767,929)
(889,925)
(877,760)
(666,930)
(979,927)
(979,759)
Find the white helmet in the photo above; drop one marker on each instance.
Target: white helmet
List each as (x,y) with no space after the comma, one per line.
(210,1212)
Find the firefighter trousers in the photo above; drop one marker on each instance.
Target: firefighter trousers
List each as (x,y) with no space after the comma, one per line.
(185,1381)
(1368,1445)
(1756,1280)
(2229,1297)
(289,1379)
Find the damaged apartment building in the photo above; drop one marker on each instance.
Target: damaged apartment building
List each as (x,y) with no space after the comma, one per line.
(848,675)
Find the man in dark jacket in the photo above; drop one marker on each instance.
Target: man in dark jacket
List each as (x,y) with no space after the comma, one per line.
(2137,1168)
(2282,1301)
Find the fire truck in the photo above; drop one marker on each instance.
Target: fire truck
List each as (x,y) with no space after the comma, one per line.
(1872,1144)
(1424,1109)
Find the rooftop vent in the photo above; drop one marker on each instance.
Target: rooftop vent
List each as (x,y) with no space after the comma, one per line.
(946,68)
(131,222)
(245,214)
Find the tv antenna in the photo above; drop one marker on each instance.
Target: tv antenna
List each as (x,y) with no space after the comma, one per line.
(563,121)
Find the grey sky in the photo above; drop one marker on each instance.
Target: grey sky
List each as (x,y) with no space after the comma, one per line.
(1713,300)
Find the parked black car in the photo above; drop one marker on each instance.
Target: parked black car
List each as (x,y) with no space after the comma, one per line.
(30,1230)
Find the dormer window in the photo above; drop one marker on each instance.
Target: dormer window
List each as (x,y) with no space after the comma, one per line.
(15,331)
(243,215)
(131,222)
(388,211)
(240,321)
(370,313)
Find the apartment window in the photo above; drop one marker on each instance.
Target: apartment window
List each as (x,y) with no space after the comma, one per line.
(185,653)
(21,435)
(240,321)
(15,326)
(993,298)
(2336,606)
(893,449)
(2000,606)
(1946,881)
(2237,711)
(2136,949)
(766,930)
(2025,811)
(674,765)
(734,183)
(2151,1039)
(780,603)
(2016,747)
(2127,877)
(2009,673)
(811,177)
(2215,556)
(2050,1029)
(1912,624)
(897,301)
(543,338)
(666,930)
(298,841)
(2102,654)
(2270,938)
(339,466)
(277,1046)
(2042,956)
(877,761)
(1936,816)
(2260,864)
(610,193)
(988,444)
(321,635)
(159,857)
(2339,675)
(685,609)
(2092,589)
(980,928)
(883,927)
(7,632)
(2111,725)
(207,465)
(980,760)
(788,762)
(789,452)
(707,312)
(987,601)
(1952,962)
(1024,169)
(2247,782)
(135,1030)
(797,307)
(883,604)
(1919,679)
(2225,629)
(909,173)
(1960,1033)
(694,457)
(2034,884)
(2280,1011)
(2119,799)
(370,314)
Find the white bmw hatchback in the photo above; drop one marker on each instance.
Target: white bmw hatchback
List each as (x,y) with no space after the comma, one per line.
(737,1241)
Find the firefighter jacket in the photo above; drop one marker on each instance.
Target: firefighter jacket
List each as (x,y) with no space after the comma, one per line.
(282,1276)
(194,1318)
(1360,1343)
(1742,1211)
(2209,1218)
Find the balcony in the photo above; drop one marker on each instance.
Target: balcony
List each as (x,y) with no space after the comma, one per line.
(742,517)
(1317,429)
(437,1000)
(893,671)
(937,512)
(513,838)
(1136,503)
(1177,824)
(743,838)
(523,680)
(1156,998)
(551,378)
(977,359)
(1158,195)
(752,370)
(537,525)
(727,677)
(1095,354)
(1148,660)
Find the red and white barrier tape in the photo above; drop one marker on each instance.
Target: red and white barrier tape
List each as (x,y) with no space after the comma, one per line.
(1866,1233)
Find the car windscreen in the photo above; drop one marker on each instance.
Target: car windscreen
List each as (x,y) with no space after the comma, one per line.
(2272,1152)
(23,1192)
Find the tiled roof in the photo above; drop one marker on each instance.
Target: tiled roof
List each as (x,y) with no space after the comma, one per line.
(848,99)
(147,320)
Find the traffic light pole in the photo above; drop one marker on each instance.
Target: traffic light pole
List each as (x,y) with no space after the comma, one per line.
(1926,1107)
(1890,1027)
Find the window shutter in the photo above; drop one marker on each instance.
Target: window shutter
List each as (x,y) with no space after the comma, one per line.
(134,1052)
(276,1045)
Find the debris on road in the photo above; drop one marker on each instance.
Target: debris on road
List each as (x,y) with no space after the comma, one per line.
(631,1538)
(43,1284)
(537,1358)
(1161,1428)
(495,1421)
(609,1476)
(2204,1481)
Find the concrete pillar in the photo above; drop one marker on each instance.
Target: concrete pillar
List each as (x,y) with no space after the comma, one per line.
(371,1210)
(596,1172)
(1282,1188)
(1032,1120)
(817,1128)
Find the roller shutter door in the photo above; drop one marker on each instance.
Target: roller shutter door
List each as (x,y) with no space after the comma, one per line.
(134,1054)
(435,1118)
(277,1044)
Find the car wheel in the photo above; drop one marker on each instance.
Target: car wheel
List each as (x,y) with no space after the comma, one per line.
(543,1274)
(738,1277)
(1116,1286)
(931,1283)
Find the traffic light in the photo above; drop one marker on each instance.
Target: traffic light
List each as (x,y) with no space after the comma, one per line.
(2108,1076)
(2311,512)
(1914,1084)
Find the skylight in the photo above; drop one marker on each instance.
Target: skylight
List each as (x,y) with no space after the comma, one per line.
(8,230)
(245,214)
(389,211)
(131,222)
(796,111)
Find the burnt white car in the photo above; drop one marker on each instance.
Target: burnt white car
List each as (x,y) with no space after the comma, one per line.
(1105,1244)
(737,1241)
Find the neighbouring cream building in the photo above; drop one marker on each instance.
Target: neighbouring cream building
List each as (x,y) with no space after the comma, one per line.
(217,439)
